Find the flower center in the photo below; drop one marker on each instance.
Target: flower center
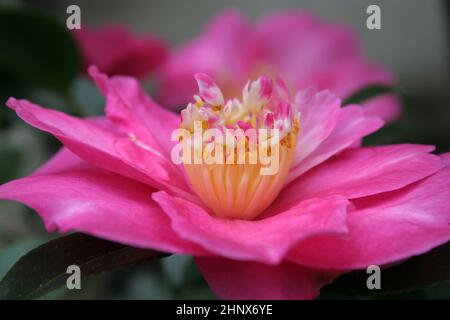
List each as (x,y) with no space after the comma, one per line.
(237,153)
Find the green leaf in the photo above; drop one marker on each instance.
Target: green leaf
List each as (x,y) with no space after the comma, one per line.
(37,49)
(427,270)
(43,269)
(369,92)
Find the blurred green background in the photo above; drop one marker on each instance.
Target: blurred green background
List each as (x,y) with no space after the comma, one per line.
(413,43)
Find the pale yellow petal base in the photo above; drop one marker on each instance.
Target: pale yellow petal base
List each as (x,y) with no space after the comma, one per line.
(238,191)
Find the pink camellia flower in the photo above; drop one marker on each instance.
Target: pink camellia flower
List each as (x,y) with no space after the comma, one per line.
(116,50)
(305,50)
(331,207)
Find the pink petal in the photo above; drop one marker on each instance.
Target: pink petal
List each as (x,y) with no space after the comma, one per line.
(130,108)
(303,49)
(363,172)
(100,204)
(100,147)
(298,45)
(213,53)
(238,280)
(386,228)
(387,107)
(116,50)
(151,126)
(323,55)
(352,125)
(258,92)
(360,74)
(64,160)
(208,90)
(319,115)
(265,240)
(446,158)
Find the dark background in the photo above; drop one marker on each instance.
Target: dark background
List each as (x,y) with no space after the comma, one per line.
(413,43)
